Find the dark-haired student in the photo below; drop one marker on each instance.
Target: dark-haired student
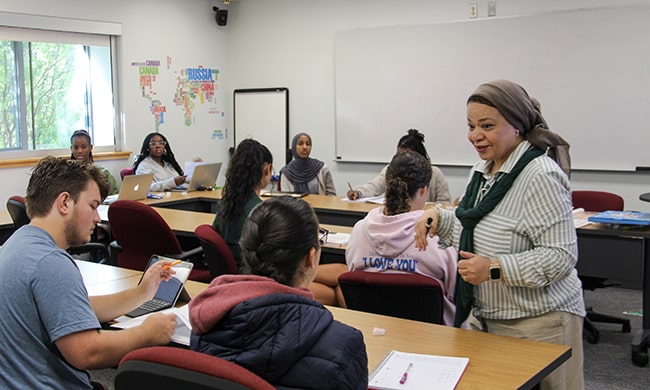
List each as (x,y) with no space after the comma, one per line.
(81,148)
(266,319)
(249,171)
(413,140)
(51,333)
(384,241)
(156,157)
(305,174)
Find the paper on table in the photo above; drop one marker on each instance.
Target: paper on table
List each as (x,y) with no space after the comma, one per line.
(183,328)
(379,199)
(426,371)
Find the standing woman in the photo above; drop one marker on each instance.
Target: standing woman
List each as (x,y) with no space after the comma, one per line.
(82,149)
(515,230)
(156,157)
(266,319)
(249,171)
(386,234)
(305,174)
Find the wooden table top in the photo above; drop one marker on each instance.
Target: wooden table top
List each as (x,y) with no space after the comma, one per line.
(496,362)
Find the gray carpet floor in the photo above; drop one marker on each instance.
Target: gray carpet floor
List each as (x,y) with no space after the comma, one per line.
(608,364)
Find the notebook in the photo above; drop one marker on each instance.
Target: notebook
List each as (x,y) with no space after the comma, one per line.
(134,187)
(622,218)
(203,177)
(168,292)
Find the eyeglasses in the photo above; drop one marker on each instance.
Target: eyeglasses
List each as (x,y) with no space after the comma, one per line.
(156,143)
(322,235)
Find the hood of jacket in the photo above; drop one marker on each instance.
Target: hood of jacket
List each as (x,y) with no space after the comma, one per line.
(390,235)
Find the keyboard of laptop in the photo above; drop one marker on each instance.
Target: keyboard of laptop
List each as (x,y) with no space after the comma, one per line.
(149,307)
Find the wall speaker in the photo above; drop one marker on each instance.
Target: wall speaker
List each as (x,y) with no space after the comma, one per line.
(222,17)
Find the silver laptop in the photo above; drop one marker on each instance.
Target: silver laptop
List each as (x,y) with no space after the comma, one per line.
(134,187)
(204,177)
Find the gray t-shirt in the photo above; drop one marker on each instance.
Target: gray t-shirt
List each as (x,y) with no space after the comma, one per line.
(43,299)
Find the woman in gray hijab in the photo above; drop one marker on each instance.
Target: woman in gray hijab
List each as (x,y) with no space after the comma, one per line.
(305,174)
(514,230)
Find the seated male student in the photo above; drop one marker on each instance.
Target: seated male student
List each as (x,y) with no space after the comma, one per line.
(51,333)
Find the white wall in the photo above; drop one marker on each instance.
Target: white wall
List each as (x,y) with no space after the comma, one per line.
(286,43)
(290,43)
(151,29)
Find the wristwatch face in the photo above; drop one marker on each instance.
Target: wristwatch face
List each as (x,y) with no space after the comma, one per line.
(495,273)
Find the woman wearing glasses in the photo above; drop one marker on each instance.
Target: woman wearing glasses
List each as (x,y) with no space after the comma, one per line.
(156,157)
(266,319)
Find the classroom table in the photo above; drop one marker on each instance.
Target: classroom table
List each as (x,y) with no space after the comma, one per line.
(496,362)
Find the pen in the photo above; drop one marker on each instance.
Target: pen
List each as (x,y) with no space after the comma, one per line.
(350,186)
(168,266)
(406,374)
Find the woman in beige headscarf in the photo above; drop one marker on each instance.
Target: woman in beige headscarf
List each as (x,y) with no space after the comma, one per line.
(514,230)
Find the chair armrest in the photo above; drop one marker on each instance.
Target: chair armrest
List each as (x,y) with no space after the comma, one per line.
(192,254)
(91,247)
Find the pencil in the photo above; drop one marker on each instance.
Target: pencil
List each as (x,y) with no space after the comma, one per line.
(168,266)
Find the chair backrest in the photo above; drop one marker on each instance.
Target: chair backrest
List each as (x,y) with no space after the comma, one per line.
(410,296)
(126,171)
(17,210)
(141,232)
(176,368)
(597,200)
(218,255)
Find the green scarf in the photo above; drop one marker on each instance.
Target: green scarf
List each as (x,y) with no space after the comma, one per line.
(470,215)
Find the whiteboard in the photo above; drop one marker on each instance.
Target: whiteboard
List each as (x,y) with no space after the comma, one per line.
(590,69)
(263,115)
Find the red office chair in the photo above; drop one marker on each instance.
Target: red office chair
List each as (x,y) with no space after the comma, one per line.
(218,255)
(410,296)
(170,368)
(126,172)
(598,201)
(139,232)
(18,211)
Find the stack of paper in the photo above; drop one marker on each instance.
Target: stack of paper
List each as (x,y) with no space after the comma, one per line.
(402,370)
(183,327)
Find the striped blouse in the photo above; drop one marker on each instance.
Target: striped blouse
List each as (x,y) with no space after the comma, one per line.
(532,233)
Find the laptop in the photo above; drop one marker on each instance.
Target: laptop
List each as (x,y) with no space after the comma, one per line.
(204,177)
(168,292)
(134,187)
(622,218)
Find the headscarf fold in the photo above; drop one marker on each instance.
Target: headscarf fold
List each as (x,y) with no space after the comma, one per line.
(301,171)
(524,113)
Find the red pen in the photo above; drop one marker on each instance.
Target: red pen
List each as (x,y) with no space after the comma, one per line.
(406,374)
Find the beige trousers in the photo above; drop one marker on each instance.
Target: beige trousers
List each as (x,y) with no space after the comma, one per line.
(555,327)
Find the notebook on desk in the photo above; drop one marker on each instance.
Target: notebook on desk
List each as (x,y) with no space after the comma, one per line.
(134,187)
(622,218)
(204,176)
(168,291)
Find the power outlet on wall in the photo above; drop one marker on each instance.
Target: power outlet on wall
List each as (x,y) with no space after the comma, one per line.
(492,8)
(473,10)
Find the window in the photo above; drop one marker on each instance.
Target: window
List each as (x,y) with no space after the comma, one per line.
(51,84)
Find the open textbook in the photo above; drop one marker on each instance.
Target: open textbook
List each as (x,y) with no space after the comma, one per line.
(403,370)
(183,327)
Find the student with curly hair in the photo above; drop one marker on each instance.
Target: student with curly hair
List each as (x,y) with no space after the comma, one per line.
(156,157)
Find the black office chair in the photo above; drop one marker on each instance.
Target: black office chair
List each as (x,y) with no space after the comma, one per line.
(598,201)
(17,209)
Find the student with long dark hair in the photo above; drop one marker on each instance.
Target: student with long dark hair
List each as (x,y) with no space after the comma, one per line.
(266,319)
(156,157)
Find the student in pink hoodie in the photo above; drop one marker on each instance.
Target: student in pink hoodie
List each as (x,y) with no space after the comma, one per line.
(384,241)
